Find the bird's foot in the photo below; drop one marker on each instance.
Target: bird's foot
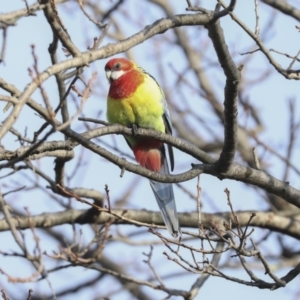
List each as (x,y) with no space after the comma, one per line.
(134,129)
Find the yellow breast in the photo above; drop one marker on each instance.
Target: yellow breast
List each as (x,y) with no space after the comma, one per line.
(144,107)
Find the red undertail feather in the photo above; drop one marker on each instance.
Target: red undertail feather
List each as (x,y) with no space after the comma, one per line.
(149,157)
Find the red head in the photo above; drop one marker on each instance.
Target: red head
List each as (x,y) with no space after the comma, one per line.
(124,77)
(117,67)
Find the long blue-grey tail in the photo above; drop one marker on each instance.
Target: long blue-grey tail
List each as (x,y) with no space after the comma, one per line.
(164,195)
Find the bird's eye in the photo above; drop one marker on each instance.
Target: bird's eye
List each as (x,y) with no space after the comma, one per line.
(118,65)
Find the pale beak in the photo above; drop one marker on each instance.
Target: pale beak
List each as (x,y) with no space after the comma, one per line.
(108,76)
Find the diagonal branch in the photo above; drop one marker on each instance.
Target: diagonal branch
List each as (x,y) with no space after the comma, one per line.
(284,7)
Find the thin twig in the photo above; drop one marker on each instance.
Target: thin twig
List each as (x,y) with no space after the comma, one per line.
(257,27)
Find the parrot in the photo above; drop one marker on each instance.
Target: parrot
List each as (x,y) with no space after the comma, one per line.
(135,99)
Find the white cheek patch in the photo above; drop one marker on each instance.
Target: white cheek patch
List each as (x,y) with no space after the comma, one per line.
(116,74)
